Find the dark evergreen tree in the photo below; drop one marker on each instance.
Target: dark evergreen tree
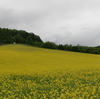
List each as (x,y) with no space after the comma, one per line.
(50,45)
(18,38)
(29,40)
(61,47)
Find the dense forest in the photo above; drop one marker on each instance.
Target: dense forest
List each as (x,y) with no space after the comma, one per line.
(9,36)
(78,48)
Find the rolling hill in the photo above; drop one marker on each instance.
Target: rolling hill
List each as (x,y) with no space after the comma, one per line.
(28,72)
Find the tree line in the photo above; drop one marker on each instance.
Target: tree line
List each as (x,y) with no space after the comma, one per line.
(78,48)
(9,36)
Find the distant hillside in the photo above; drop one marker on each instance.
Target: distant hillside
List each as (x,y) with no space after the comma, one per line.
(9,36)
(19,36)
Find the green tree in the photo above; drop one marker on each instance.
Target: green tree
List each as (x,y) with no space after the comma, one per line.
(18,38)
(61,47)
(50,45)
(29,40)
(39,44)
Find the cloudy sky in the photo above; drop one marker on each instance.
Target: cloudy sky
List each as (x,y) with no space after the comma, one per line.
(60,21)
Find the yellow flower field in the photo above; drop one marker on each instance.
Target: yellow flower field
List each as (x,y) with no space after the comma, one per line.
(35,73)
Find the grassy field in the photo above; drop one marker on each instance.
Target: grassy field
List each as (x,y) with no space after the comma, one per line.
(35,73)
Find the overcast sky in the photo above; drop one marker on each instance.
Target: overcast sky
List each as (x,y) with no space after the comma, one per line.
(60,21)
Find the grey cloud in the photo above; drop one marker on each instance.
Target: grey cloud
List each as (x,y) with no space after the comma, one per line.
(6,17)
(60,21)
(85,28)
